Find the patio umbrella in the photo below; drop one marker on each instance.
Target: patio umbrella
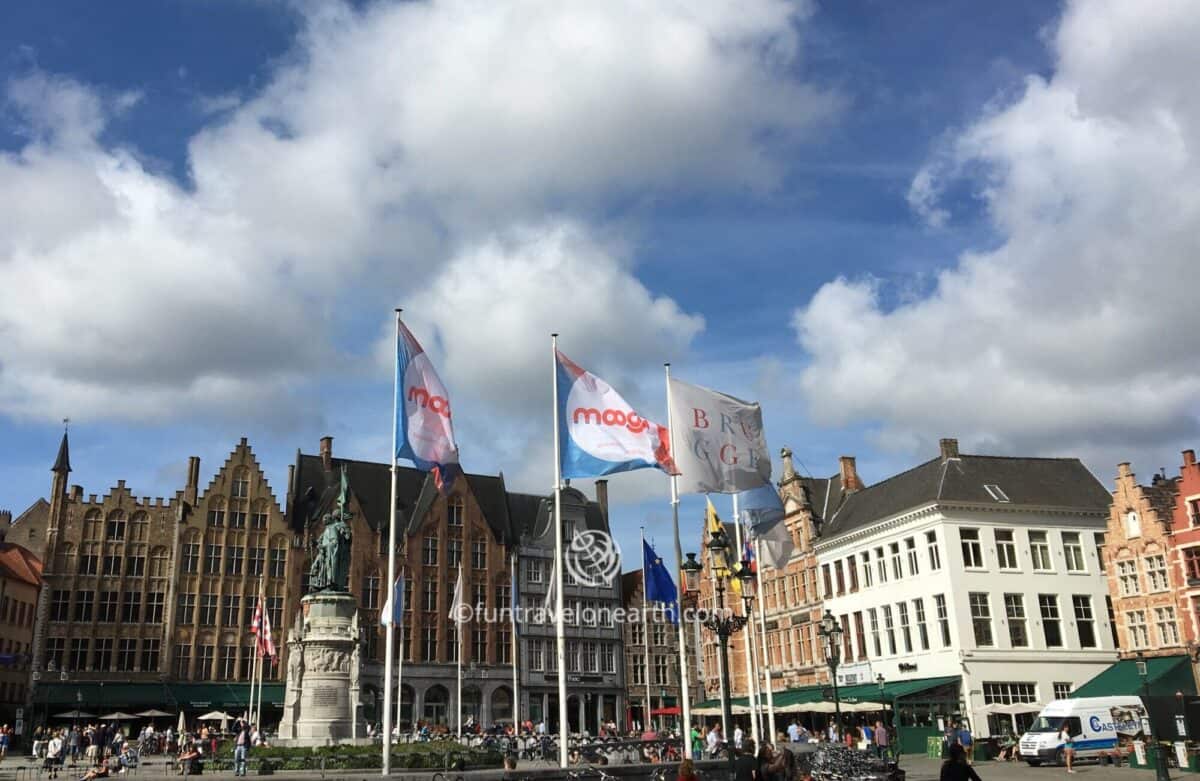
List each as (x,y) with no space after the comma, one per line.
(213,715)
(153,713)
(224,722)
(74,714)
(118,716)
(182,723)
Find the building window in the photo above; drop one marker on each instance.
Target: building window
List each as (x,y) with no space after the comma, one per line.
(943,617)
(257,557)
(131,608)
(233,560)
(1073,552)
(275,612)
(1127,577)
(827,578)
(972,551)
(155,602)
(191,557)
(455,510)
(536,570)
(216,512)
(208,609)
(258,516)
(609,654)
(185,609)
(230,607)
(537,661)
(852,573)
(1085,620)
(636,637)
(150,653)
(661,676)
(60,605)
(135,564)
(910,547)
(55,650)
(981,618)
(866,569)
(860,634)
(839,577)
(212,559)
(1006,693)
(1051,620)
(1062,690)
(114,530)
(88,560)
(241,483)
(922,629)
(237,517)
(1139,634)
(639,672)
(1014,611)
(80,648)
(889,628)
(429,551)
(107,608)
(453,553)
(1006,549)
(1164,621)
(112,566)
(573,656)
(126,654)
(1191,563)
(479,595)
(278,560)
(183,660)
(897,569)
(431,596)
(204,662)
(1156,572)
(503,646)
(905,628)
(370,592)
(1098,539)
(1133,524)
(1039,551)
(478,555)
(935,555)
(102,659)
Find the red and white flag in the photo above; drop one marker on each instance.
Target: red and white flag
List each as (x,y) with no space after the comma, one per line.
(257,620)
(266,646)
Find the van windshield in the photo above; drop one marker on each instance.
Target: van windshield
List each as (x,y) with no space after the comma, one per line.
(1047,724)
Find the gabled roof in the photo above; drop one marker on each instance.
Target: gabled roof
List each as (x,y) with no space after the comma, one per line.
(38,509)
(19,563)
(1057,483)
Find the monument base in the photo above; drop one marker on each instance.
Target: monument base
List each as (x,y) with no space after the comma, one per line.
(322,704)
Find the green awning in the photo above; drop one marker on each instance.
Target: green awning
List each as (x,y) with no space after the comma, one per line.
(1166,675)
(865,692)
(168,696)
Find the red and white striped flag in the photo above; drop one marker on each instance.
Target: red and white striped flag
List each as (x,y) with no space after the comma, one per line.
(257,620)
(266,646)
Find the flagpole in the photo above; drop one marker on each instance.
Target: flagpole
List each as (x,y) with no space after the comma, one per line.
(253,675)
(685,702)
(645,634)
(461,632)
(762,633)
(560,603)
(262,625)
(389,637)
(748,642)
(512,618)
(400,660)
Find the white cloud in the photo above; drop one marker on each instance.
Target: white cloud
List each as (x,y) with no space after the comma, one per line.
(387,140)
(1077,333)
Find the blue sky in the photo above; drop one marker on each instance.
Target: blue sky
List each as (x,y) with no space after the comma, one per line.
(214,207)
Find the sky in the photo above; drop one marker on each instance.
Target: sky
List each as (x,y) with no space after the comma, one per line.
(889,223)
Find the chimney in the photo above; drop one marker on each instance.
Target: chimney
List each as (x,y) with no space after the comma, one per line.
(789,469)
(849,474)
(602,497)
(1189,458)
(327,453)
(76,493)
(192,489)
(5,518)
(949,448)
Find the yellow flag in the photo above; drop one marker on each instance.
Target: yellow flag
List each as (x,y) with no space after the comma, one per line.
(713,522)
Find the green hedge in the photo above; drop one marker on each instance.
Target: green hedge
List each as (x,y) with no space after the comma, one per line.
(421,756)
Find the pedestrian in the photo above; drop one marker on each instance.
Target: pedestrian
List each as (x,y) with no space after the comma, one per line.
(697,741)
(241,745)
(955,768)
(713,741)
(687,771)
(881,740)
(793,732)
(949,738)
(738,734)
(745,764)
(54,754)
(1064,737)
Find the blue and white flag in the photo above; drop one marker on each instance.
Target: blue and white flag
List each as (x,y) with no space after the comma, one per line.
(424,432)
(659,586)
(599,433)
(387,615)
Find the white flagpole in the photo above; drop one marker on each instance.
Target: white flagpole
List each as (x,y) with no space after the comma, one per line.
(748,641)
(512,618)
(400,659)
(253,675)
(762,633)
(261,677)
(389,636)
(262,623)
(685,702)
(560,603)
(645,635)
(461,631)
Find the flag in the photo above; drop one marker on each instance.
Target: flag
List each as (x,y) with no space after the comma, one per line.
(387,615)
(713,522)
(762,509)
(457,612)
(719,442)
(549,604)
(266,646)
(659,586)
(600,434)
(514,600)
(748,553)
(256,621)
(424,432)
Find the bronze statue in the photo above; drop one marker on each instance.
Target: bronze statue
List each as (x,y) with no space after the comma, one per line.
(330,570)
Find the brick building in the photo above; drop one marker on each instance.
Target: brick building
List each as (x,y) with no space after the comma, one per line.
(20,583)
(1138,551)
(663,673)
(147,602)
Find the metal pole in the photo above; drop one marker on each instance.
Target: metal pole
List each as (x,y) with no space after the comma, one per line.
(512,617)
(646,639)
(726,697)
(560,603)
(684,694)
(762,633)
(751,669)
(389,636)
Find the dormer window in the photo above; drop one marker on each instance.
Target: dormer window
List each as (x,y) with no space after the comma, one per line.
(1133,524)
(995,492)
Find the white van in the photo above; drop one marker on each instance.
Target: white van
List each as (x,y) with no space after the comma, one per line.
(1096,724)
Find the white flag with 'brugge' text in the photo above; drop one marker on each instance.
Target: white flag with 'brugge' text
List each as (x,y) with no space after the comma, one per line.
(719,441)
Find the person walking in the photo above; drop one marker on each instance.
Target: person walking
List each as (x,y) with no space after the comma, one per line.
(793,732)
(955,768)
(1064,737)
(738,734)
(241,745)
(54,754)
(880,740)
(967,742)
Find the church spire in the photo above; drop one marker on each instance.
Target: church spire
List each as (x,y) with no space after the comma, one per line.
(62,464)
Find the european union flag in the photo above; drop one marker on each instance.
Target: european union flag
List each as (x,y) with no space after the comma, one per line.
(659,586)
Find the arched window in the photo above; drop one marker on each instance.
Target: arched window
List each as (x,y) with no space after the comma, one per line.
(216,511)
(92,525)
(139,527)
(455,511)
(472,703)
(437,704)
(114,530)
(260,514)
(159,562)
(407,695)
(501,704)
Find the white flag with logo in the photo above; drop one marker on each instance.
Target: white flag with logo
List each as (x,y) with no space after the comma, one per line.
(719,442)
(456,604)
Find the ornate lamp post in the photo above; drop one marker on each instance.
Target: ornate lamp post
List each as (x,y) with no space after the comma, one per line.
(1160,759)
(721,620)
(831,632)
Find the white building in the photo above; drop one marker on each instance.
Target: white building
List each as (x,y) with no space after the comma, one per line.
(982,567)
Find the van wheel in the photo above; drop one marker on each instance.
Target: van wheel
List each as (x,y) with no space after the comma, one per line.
(1060,758)
(1034,762)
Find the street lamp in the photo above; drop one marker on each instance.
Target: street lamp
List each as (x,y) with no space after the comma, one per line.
(831,632)
(721,621)
(1160,760)
(78,707)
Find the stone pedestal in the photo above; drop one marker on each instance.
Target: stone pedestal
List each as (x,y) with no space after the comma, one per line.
(321,706)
